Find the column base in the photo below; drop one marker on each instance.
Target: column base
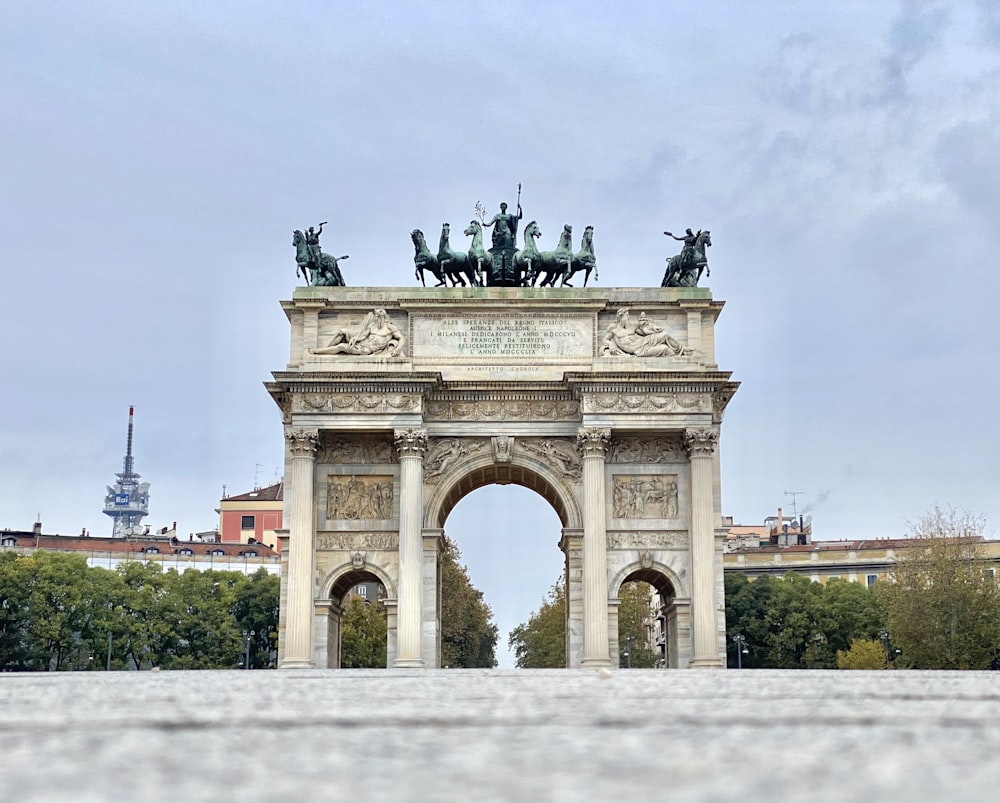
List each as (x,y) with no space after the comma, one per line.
(596,663)
(705,663)
(408,663)
(296,663)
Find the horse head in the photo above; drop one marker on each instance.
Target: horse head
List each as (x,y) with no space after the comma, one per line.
(532,230)
(588,238)
(473,228)
(706,238)
(418,238)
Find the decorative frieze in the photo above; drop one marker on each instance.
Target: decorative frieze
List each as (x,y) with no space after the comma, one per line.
(442,453)
(647,540)
(359,497)
(649,449)
(359,450)
(503,410)
(356,541)
(701,442)
(644,496)
(302,442)
(557,453)
(646,403)
(356,403)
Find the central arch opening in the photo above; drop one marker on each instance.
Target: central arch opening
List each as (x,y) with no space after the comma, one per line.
(508,532)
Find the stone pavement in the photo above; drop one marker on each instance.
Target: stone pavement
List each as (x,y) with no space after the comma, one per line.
(456,735)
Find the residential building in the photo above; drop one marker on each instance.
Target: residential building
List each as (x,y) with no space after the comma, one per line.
(252,517)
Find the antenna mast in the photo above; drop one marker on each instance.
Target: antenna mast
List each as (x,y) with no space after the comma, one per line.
(793,494)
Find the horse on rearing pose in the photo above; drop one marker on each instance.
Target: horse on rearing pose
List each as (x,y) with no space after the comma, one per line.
(583,259)
(454,264)
(480,259)
(556,264)
(425,260)
(686,274)
(526,260)
(325,274)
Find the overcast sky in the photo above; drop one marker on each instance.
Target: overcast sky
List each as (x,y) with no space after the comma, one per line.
(156,158)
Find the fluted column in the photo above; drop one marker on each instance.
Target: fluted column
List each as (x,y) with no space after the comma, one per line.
(593,443)
(701,444)
(301,534)
(411,445)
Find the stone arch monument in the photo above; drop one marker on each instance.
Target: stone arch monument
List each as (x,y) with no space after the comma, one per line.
(397,402)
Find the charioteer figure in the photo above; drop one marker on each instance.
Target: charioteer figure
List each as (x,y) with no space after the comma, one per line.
(317,268)
(503,272)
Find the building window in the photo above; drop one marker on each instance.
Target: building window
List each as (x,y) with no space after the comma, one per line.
(185,551)
(8,542)
(216,552)
(250,553)
(246,523)
(362,591)
(152,550)
(872,580)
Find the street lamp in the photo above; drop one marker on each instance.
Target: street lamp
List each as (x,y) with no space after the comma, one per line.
(628,652)
(890,653)
(248,637)
(741,649)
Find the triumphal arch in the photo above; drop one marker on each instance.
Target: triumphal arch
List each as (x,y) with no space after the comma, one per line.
(397,402)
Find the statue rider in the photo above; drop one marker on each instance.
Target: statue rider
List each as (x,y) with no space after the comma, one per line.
(313,247)
(504,227)
(687,252)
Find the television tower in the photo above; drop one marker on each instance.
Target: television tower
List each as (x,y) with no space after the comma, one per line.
(127,501)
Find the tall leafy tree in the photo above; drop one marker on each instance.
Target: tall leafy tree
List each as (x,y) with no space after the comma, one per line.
(468,633)
(633,614)
(255,609)
(540,643)
(363,634)
(943,604)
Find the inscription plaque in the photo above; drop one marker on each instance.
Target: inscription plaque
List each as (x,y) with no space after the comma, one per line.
(517,336)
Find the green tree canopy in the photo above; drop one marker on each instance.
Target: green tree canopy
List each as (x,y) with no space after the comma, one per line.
(468,634)
(633,615)
(363,634)
(943,604)
(540,643)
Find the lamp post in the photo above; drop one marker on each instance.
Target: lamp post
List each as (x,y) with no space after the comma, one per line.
(741,649)
(248,637)
(628,652)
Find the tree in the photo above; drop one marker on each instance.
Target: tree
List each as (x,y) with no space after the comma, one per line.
(795,623)
(633,613)
(865,653)
(255,609)
(363,634)
(943,605)
(468,634)
(540,643)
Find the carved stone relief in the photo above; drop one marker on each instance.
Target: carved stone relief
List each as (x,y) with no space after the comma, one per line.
(443,452)
(356,403)
(360,450)
(503,446)
(357,497)
(560,453)
(356,541)
(503,410)
(644,496)
(646,403)
(647,540)
(646,450)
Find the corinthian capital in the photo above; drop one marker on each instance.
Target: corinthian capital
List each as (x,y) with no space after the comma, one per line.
(302,442)
(592,442)
(411,442)
(701,442)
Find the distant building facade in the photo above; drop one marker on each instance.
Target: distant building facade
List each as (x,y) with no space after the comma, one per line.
(252,517)
(164,548)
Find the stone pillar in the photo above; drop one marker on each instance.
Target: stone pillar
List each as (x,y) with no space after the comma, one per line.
(299,615)
(571,544)
(411,445)
(592,443)
(701,446)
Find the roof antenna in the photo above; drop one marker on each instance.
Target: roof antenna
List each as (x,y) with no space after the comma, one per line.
(793,494)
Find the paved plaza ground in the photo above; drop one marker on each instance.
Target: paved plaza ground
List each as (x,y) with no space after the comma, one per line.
(478,735)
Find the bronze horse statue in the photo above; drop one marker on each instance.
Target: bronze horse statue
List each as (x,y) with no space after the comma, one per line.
(584,259)
(425,260)
(455,264)
(684,270)
(325,274)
